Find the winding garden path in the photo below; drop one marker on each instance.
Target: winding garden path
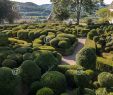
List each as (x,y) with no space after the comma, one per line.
(71,59)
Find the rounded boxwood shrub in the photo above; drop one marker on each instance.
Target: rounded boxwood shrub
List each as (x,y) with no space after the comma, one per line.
(22,34)
(64,94)
(91,34)
(101,91)
(29,71)
(105,79)
(81,79)
(31,35)
(86,58)
(9,63)
(45,60)
(35,86)
(9,84)
(70,77)
(54,80)
(45,91)
(12,57)
(21,50)
(88,91)
(54,42)
(28,56)
(63,44)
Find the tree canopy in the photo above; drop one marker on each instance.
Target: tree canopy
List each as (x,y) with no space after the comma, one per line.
(7,11)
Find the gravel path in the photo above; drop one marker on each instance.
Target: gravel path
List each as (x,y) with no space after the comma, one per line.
(71,59)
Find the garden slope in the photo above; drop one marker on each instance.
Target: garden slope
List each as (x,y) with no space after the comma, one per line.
(71,59)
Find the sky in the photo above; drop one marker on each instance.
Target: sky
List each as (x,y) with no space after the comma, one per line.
(39,2)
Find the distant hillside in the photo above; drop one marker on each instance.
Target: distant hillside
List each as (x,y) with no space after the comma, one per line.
(31,9)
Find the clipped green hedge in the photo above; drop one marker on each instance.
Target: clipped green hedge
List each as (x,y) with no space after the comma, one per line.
(45,91)
(54,80)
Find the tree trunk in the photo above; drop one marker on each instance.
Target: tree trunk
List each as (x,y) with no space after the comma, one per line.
(78,17)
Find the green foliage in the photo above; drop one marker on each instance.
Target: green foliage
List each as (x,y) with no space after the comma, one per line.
(29,71)
(105,79)
(28,56)
(9,83)
(63,44)
(54,42)
(91,34)
(9,63)
(35,86)
(22,34)
(88,91)
(45,60)
(101,91)
(45,91)
(86,58)
(54,80)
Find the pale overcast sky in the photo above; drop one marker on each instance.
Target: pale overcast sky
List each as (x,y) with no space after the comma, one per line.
(39,2)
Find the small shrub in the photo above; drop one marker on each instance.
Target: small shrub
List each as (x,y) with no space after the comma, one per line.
(101,91)
(29,71)
(28,56)
(86,58)
(105,79)
(54,42)
(63,44)
(54,80)
(45,91)
(45,60)
(9,63)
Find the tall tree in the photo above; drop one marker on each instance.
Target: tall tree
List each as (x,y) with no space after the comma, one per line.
(60,9)
(79,6)
(7,11)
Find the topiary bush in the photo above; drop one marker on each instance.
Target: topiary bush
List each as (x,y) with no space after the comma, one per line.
(22,34)
(54,42)
(101,91)
(30,72)
(28,56)
(63,44)
(9,63)
(9,83)
(45,60)
(54,80)
(35,86)
(86,58)
(88,91)
(45,91)
(105,79)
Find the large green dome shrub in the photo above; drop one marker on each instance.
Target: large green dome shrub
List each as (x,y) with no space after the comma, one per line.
(105,79)
(9,63)
(86,58)
(45,91)
(29,71)
(45,60)
(9,83)
(54,80)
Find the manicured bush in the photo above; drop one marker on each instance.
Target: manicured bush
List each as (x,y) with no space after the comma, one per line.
(21,50)
(35,86)
(9,63)
(86,58)
(3,39)
(22,34)
(12,57)
(9,84)
(101,91)
(45,91)
(88,91)
(105,79)
(81,80)
(96,38)
(31,35)
(91,34)
(64,68)
(70,77)
(54,42)
(63,44)
(54,80)
(64,94)
(29,71)
(45,60)
(28,56)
